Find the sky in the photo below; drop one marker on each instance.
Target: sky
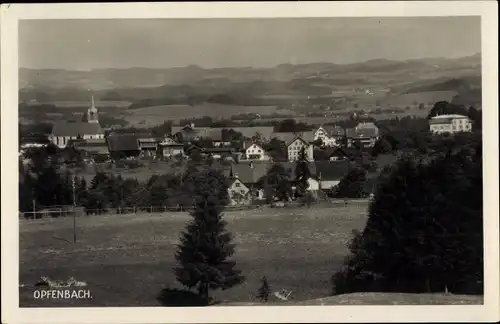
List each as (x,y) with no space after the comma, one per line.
(210,43)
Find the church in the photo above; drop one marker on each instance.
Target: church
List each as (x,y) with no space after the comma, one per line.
(88,128)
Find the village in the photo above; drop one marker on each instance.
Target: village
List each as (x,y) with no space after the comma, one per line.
(246,154)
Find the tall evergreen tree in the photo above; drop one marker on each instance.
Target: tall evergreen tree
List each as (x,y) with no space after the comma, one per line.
(302,173)
(205,248)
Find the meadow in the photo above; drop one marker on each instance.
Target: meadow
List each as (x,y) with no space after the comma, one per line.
(127,259)
(152,116)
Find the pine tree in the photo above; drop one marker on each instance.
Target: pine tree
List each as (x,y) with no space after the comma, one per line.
(264,290)
(302,173)
(205,248)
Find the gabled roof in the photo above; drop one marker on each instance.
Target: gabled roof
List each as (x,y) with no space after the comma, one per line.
(291,166)
(123,142)
(169,141)
(297,138)
(68,128)
(361,133)
(249,172)
(288,137)
(333,130)
(331,170)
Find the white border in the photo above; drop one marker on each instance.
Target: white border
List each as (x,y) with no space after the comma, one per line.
(10,14)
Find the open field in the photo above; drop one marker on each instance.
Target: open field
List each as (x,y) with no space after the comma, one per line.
(151,116)
(127,259)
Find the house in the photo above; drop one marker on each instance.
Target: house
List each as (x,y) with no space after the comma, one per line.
(92,146)
(365,133)
(169,147)
(450,124)
(295,146)
(343,153)
(256,152)
(249,173)
(331,173)
(239,194)
(289,136)
(148,145)
(123,146)
(190,133)
(330,135)
(64,131)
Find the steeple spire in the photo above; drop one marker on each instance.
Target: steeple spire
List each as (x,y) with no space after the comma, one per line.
(93,106)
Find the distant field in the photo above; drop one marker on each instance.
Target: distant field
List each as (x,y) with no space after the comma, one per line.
(127,259)
(150,116)
(75,104)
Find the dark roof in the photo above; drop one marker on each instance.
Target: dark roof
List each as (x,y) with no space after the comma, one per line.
(123,142)
(217,149)
(289,136)
(68,128)
(344,151)
(290,168)
(334,170)
(249,172)
(334,130)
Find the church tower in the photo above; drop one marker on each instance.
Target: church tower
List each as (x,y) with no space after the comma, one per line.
(92,114)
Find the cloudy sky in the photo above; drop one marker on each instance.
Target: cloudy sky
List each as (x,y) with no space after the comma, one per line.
(163,43)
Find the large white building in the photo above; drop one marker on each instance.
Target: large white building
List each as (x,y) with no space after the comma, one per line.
(296,145)
(450,124)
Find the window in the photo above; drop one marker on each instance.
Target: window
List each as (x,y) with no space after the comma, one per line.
(237,185)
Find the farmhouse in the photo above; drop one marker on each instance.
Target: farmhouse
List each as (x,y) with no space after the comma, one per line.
(289,136)
(249,173)
(296,145)
(256,152)
(89,128)
(365,134)
(330,173)
(91,146)
(239,194)
(450,124)
(169,147)
(330,135)
(123,145)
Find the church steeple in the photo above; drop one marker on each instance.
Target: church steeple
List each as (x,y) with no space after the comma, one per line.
(92,114)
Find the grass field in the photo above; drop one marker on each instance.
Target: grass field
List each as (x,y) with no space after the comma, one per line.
(127,259)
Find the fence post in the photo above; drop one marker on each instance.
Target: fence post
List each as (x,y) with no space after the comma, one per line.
(150,209)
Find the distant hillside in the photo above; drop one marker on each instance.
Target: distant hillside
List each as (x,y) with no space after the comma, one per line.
(106,79)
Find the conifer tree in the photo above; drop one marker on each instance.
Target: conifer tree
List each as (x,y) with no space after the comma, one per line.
(302,173)
(205,247)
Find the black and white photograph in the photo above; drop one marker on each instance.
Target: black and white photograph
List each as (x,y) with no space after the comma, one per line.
(187,162)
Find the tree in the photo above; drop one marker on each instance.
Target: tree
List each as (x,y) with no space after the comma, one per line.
(276,149)
(302,173)
(205,248)
(264,290)
(381,146)
(276,183)
(444,108)
(424,231)
(352,185)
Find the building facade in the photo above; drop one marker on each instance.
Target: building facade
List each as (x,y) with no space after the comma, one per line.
(365,134)
(450,124)
(170,148)
(256,152)
(295,146)
(331,136)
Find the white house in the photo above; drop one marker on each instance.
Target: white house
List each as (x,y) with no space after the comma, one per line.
(329,135)
(450,124)
(239,194)
(169,147)
(256,152)
(296,145)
